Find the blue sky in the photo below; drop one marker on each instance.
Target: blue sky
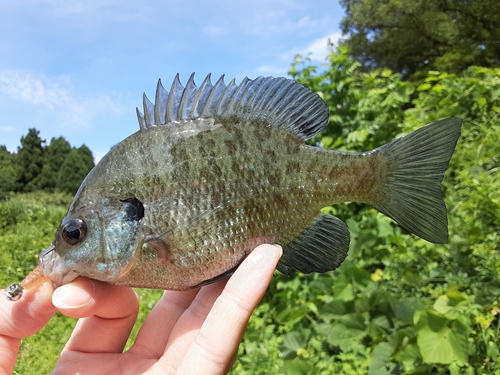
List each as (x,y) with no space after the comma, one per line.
(78,69)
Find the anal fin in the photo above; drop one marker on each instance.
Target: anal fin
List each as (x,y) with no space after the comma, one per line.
(321,247)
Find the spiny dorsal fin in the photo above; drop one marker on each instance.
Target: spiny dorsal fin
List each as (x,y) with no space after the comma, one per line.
(279,101)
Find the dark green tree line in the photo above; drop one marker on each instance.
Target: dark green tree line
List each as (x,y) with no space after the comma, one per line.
(72,172)
(55,155)
(36,166)
(8,172)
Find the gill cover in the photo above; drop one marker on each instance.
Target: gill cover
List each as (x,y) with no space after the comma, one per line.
(99,242)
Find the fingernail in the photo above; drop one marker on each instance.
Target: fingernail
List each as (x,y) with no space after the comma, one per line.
(77,294)
(279,247)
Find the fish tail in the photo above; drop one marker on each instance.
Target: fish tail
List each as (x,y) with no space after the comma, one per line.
(416,164)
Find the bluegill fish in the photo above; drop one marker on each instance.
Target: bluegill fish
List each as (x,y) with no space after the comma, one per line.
(218,169)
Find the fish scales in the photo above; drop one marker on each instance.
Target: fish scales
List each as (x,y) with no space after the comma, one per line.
(214,172)
(253,182)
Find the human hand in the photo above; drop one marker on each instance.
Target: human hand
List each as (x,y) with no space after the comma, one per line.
(193,332)
(21,319)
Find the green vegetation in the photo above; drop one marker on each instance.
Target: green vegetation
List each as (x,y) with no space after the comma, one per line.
(398,304)
(35,167)
(420,35)
(28,222)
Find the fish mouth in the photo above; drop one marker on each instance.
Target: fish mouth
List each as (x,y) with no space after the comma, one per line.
(52,266)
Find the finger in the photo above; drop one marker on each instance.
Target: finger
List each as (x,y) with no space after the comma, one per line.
(221,332)
(189,324)
(107,312)
(155,332)
(21,319)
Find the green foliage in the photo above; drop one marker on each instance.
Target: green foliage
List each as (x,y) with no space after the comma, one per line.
(473,95)
(8,173)
(366,109)
(415,36)
(54,156)
(87,157)
(27,224)
(56,167)
(72,172)
(30,159)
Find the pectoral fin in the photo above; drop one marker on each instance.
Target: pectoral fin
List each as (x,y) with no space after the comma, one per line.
(321,247)
(160,247)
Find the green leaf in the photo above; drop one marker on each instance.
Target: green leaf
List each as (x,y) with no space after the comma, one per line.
(355,320)
(292,343)
(379,360)
(492,350)
(333,309)
(449,301)
(409,356)
(343,290)
(289,314)
(405,308)
(384,228)
(424,87)
(440,339)
(454,369)
(343,336)
(298,367)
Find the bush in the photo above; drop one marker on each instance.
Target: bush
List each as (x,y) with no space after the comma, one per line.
(28,223)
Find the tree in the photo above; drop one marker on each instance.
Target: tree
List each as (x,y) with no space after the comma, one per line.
(8,172)
(56,166)
(410,36)
(30,159)
(55,155)
(87,157)
(72,172)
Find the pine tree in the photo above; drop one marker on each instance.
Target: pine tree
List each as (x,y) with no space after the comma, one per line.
(8,172)
(55,155)
(72,172)
(87,157)
(30,159)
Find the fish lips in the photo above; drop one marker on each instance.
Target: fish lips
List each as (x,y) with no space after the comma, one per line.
(52,266)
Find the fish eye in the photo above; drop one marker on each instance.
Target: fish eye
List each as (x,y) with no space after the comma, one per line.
(74,231)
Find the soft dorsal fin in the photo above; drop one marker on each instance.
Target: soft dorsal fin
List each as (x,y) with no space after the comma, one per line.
(280,102)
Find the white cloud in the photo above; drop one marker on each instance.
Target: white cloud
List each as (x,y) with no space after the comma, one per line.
(317,50)
(55,96)
(320,48)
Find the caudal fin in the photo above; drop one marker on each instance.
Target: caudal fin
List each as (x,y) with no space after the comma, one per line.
(412,194)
